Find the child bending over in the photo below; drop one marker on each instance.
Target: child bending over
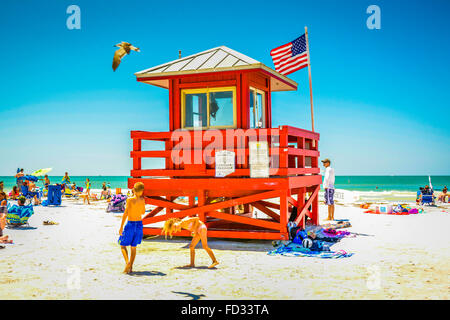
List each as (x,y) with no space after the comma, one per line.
(199,232)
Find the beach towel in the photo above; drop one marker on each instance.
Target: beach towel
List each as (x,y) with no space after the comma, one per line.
(339,225)
(337,234)
(19,214)
(295,250)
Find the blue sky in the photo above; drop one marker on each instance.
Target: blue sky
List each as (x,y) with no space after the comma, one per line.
(381,97)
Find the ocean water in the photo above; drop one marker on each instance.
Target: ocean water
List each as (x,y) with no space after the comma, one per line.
(96,181)
(390,183)
(353,183)
(395,189)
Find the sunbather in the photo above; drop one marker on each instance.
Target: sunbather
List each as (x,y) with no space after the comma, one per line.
(32,189)
(106,193)
(74,191)
(3,201)
(15,193)
(3,238)
(46,181)
(19,174)
(3,212)
(88,191)
(443,195)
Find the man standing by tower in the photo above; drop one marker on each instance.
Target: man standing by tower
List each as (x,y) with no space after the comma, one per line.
(328,184)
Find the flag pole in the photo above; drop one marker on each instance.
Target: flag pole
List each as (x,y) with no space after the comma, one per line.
(310,83)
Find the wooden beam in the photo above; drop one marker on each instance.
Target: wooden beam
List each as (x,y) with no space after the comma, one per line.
(292,201)
(152,213)
(215,206)
(258,205)
(244,220)
(307,205)
(261,235)
(161,202)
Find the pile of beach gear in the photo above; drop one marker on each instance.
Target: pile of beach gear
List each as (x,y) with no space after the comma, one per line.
(399,209)
(314,241)
(117,203)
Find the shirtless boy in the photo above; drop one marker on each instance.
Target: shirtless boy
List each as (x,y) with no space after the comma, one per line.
(133,232)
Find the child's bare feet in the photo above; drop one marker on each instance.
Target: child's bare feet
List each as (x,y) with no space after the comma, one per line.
(127,268)
(189,266)
(215,263)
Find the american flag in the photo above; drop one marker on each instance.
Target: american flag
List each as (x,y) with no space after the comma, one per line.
(290,57)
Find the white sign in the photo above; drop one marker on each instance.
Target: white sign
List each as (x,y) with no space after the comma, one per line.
(259,159)
(225,163)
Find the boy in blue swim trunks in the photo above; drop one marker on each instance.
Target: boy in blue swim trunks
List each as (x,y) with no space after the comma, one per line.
(133,232)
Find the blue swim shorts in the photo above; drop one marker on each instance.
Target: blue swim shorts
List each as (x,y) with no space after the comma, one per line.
(132,234)
(329,197)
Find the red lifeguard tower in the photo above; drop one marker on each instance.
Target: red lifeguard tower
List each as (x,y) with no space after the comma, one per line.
(220,99)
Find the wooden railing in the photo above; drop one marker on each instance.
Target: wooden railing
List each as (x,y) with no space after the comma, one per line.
(292,151)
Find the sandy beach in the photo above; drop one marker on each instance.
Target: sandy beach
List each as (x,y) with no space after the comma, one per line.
(403,257)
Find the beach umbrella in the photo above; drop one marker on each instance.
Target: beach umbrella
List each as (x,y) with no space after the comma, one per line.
(41,172)
(29,178)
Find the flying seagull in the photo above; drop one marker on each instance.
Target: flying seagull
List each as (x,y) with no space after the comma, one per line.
(124,48)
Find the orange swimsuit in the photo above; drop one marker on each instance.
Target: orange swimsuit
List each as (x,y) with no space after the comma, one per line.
(195,226)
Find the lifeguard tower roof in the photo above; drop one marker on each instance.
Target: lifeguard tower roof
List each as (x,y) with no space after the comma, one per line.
(217,59)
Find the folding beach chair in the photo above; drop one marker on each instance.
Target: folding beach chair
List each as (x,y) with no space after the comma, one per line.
(27,194)
(18,216)
(427,199)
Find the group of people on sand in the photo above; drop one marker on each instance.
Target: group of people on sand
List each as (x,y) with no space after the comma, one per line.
(132,233)
(25,188)
(443,196)
(28,188)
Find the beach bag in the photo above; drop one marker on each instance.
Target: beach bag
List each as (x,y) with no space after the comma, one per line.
(301,234)
(117,203)
(293,230)
(319,246)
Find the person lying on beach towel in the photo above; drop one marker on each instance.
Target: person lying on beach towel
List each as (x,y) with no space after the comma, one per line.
(199,231)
